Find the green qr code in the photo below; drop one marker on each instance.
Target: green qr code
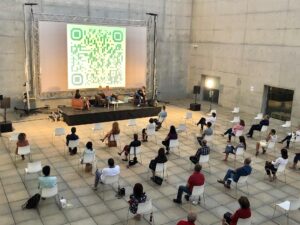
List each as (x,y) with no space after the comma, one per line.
(96,56)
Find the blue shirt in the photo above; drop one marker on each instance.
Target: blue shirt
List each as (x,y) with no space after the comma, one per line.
(242,171)
(47,182)
(162,114)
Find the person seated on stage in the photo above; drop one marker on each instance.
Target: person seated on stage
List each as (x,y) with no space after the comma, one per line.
(109,95)
(203,121)
(191,219)
(160,158)
(272,137)
(263,122)
(150,126)
(234,175)
(172,135)
(46,181)
(86,102)
(100,99)
(196,179)
(138,196)
(207,132)
(140,95)
(204,150)
(271,167)
(291,137)
(111,170)
(244,212)
(126,149)
(232,131)
(295,161)
(88,151)
(231,149)
(72,137)
(162,115)
(115,130)
(22,142)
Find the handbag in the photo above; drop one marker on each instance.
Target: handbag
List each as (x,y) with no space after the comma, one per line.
(152,164)
(157,180)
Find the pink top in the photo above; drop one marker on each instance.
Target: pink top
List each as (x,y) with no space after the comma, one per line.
(237,127)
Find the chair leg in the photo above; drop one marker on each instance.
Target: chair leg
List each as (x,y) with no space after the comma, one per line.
(274,211)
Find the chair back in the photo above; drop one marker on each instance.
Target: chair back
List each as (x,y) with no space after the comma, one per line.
(59,131)
(204,159)
(73,143)
(198,190)
(161,167)
(24,150)
(131,122)
(49,192)
(264,128)
(281,168)
(97,126)
(287,124)
(259,116)
(239,151)
(88,158)
(236,110)
(188,115)
(145,207)
(244,221)
(137,150)
(114,137)
(297,139)
(181,128)
(243,179)
(14,137)
(239,133)
(236,119)
(111,179)
(151,131)
(271,144)
(174,143)
(208,138)
(34,167)
(295,204)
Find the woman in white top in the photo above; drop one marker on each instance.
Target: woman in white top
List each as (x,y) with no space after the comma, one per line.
(271,167)
(150,126)
(87,151)
(272,137)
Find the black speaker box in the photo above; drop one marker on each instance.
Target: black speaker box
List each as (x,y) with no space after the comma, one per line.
(6,127)
(196,89)
(195,107)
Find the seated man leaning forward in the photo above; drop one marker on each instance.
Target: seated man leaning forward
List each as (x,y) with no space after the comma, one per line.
(47,181)
(196,179)
(234,175)
(111,170)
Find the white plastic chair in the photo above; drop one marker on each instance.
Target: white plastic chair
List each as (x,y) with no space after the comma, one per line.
(73,144)
(263,129)
(259,116)
(287,206)
(132,123)
(143,209)
(209,139)
(188,116)
(295,141)
(238,134)
(59,131)
(111,180)
(49,192)
(13,138)
(116,137)
(96,128)
(161,169)
(247,221)
(87,158)
(236,110)
(33,167)
(281,170)
(239,152)
(151,132)
(174,143)
(197,192)
(137,152)
(204,159)
(242,181)
(182,128)
(23,151)
(287,124)
(211,112)
(236,119)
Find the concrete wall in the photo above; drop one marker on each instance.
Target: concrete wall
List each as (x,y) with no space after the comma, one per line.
(174,23)
(256,41)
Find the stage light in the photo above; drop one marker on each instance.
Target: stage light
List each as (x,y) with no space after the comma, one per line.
(209,83)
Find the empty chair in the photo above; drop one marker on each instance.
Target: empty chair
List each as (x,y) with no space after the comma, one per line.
(59,131)
(236,119)
(287,206)
(259,116)
(144,208)
(49,192)
(182,128)
(236,110)
(188,116)
(131,123)
(197,192)
(23,151)
(287,124)
(13,138)
(137,151)
(33,167)
(174,143)
(97,127)
(242,181)
(211,112)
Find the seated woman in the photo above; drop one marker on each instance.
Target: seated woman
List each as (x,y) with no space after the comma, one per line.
(203,121)
(290,136)
(140,95)
(232,131)
(22,142)
(172,135)
(263,122)
(138,196)
(271,167)
(272,137)
(87,151)
(160,158)
(85,100)
(115,130)
(231,149)
(126,149)
(243,212)
(150,126)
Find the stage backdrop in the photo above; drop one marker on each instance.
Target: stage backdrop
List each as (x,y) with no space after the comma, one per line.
(121,62)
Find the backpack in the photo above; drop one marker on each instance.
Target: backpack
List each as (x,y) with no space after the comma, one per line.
(32,202)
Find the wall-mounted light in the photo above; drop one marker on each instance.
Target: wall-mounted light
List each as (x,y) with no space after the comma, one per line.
(209,83)
(252,88)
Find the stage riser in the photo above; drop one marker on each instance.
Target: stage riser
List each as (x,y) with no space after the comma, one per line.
(97,117)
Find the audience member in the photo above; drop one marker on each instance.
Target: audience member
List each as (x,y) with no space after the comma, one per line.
(231,149)
(290,137)
(115,130)
(203,150)
(22,142)
(111,170)
(271,167)
(88,151)
(207,132)
(196,179)
(126,149)
(160,158)
(244,212)
(232,131)
(272,137)
(172,135)
(140,95)
(203,121)
(47,181)
(234,175)
(295,161)
(72,137)
(138,196)
(191,218)
(263,122)
(150,126)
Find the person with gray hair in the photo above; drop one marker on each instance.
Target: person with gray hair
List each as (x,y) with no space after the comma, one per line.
(191,218)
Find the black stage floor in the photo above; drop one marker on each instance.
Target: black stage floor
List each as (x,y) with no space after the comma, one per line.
(100,114)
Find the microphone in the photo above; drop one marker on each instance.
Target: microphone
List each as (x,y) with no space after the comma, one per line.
(152,14)
(29,3)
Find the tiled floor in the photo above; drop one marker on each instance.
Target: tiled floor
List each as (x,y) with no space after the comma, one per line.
(89,207)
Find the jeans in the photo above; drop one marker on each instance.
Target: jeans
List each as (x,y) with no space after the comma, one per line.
(182,189)
(229,176)
(97,178)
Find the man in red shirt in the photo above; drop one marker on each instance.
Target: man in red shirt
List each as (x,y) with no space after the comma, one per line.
(196,179)
(191,218)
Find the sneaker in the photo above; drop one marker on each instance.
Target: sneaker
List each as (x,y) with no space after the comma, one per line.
(221,181)
(176,201)
(227,186)
(119,153)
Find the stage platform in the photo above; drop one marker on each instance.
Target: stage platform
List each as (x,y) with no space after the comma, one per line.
(100,114)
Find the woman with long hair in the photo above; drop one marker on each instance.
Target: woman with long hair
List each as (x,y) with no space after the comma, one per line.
(172,135)
(138,196)
(271,167)
(114,131)
(160,158)
(231,149)
(232,131)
